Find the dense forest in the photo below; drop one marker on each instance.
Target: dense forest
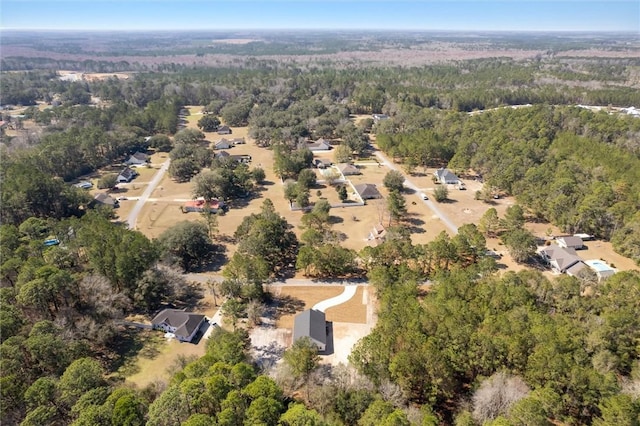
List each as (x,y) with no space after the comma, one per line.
(472,347)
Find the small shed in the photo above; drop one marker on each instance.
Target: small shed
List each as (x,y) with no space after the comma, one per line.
(312,324)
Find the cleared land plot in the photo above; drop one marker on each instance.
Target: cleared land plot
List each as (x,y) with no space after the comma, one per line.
(295,299)
(353,310)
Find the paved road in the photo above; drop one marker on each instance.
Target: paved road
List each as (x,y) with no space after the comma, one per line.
(452,227)
(204,277)
(133,216)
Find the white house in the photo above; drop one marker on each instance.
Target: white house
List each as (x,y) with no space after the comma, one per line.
(446,176)
(559,258)
(570,242)
(223,144)
(137,159)
(184,325)
(126,175)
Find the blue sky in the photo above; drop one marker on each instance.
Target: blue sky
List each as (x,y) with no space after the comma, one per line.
(504,15)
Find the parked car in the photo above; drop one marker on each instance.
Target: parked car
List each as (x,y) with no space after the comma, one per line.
(424,196)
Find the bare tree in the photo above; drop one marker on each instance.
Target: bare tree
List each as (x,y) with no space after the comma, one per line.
(496,395)
(255,310)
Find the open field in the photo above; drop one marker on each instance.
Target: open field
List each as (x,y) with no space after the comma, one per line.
(352,311)
(296,299)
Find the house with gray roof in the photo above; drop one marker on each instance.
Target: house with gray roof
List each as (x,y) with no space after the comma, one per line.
(104,199)
(319,145)
(348,169)
(367,191)
(312,324)
(137,159)
(184,325)
(573,242)
(560,259)
(446,176)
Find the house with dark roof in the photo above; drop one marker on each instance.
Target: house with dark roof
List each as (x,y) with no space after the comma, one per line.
(126,175)
(573,242)
(137,159)
(367,191)
(319,145)
(348,169)
(445,176)
(322,163)
(312,324)
(184,325)
(224,130)
(243,158)
(222,154)
(105,199)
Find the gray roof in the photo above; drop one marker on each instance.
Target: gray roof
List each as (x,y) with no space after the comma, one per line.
(445,175)
(105,198)
(184,322)
(576,268)
(562,258)
(570,241)
(368,190)
(310,323)
(348,169)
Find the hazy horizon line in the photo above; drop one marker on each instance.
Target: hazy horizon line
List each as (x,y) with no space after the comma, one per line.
(320,29)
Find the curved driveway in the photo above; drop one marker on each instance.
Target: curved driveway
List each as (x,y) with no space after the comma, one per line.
(133,215)
(348,293)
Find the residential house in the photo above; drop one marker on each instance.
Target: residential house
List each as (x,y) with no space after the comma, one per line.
(105,199)
(446,176)
(379,117)
(319,145)
(322,163)
(184,325)
(367,191)
(200,205)
(348,169)
(222,144)
(137,159)
(573,242)
(312,324)
(601,268)
(126,175)
(576,268)
(378,232)
(224,130)
(222,154)
(244,158)
(559,258)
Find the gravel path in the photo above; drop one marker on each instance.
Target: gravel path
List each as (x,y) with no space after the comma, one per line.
(133,216)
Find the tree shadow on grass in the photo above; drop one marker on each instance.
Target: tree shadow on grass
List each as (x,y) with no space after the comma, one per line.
(415,225)
(131,344)
(287,305)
